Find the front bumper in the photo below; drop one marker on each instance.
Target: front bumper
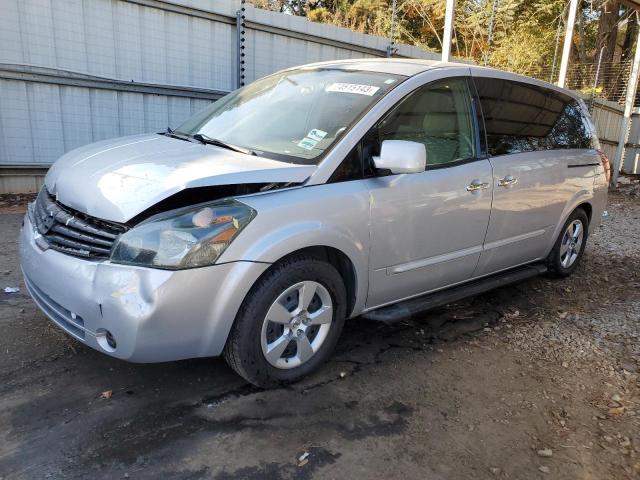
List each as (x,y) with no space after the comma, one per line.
(153,315)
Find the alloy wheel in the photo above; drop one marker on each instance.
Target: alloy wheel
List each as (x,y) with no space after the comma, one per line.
(296,324)
(571,243)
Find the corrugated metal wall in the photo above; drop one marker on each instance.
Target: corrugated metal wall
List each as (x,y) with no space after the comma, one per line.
(631,160)
(607,117)
(78,71)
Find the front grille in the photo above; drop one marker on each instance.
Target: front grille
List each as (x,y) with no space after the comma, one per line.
(72,232)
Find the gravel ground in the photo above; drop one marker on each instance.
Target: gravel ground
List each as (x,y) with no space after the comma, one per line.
(534,380)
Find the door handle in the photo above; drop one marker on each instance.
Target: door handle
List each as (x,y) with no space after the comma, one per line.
(507,181)
(477,185)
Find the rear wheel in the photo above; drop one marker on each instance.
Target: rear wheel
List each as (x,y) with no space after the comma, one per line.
(289,323)
(569,246)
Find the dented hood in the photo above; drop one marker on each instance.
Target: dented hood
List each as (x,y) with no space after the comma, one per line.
(118,179)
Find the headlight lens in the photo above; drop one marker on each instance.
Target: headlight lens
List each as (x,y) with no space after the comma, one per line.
(186,238)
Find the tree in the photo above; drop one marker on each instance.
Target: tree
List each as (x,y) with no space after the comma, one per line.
(526,35)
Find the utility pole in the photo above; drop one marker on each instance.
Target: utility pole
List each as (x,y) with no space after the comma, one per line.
(568,37)
(448,30)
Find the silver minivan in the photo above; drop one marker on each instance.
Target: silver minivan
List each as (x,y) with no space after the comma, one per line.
(374,188)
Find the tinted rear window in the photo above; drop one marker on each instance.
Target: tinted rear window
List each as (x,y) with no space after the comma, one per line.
(520,117)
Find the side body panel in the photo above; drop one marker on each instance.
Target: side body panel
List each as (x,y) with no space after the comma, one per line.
(544,163)
(600,179)
(599,202)
(426,230)
(525,215)
(589,186)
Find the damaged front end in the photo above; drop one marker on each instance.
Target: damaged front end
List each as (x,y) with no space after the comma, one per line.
(130,179)
(197,195)
(84,272)
(188,237)
(71,232)
(205,209)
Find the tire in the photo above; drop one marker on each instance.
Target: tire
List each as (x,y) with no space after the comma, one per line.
(248,349)
(561,262)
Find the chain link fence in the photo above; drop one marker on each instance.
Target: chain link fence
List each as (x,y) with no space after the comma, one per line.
(604,80)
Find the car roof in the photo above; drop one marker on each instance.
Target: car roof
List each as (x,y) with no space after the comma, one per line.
(413,66)
(397,66)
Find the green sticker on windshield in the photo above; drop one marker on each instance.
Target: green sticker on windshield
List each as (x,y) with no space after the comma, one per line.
(307,143)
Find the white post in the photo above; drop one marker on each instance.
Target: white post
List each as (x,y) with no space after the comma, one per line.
(568,36)
(632,86)
(448,29)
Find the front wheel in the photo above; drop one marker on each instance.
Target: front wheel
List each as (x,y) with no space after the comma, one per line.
(289,323)
(569,246)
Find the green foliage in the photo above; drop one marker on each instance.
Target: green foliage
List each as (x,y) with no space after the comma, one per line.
(524,32)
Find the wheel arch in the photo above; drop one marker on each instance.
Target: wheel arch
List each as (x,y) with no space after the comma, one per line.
(588,209)
(341,246)
(241,284)
(582,199)
(577,202)
(554,261)
(340,261)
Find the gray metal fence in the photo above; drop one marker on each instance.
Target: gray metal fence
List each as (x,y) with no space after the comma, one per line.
(77,71)
(607,117)
(631,160)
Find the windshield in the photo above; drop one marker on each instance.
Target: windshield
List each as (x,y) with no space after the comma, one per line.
(294,116)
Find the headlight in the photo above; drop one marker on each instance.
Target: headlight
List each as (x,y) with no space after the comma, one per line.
(185,238)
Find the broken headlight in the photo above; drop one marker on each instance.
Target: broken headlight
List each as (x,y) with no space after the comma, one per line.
(185,238)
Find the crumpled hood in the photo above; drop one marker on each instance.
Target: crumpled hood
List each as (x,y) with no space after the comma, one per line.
(118,179)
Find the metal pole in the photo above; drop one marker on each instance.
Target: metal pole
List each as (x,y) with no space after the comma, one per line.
(595,80)
(240,44)
(391,47)
(568,37)
(555,52)
(632,86)
(448,29)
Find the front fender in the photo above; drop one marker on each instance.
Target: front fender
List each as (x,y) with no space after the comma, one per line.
(331,215)
(282,242)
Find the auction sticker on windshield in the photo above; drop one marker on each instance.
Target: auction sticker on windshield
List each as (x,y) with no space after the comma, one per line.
(368,90)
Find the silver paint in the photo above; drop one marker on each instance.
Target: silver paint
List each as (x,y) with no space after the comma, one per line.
(404,234)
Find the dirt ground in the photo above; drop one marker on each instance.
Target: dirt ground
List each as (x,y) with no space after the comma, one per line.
(535,380)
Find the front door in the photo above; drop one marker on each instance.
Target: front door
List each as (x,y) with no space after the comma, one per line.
(427,229)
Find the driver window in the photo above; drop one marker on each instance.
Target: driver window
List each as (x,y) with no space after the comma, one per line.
(438,116)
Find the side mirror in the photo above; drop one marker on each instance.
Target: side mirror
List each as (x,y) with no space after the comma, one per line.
(401,156)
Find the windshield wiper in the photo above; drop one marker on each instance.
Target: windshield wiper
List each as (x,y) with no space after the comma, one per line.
(219,143)
(179,136)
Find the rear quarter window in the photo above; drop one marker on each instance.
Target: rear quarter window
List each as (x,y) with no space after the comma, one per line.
(520,117)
